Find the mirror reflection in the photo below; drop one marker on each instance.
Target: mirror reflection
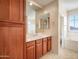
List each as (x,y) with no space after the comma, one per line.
(37,21)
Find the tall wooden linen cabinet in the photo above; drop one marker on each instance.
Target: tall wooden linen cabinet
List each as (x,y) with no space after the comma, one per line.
(11,29)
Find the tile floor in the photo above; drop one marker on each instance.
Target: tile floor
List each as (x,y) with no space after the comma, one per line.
(64,54)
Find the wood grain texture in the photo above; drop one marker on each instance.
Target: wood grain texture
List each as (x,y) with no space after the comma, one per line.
(12,29)
(30,50)
(12,11)
(16,42)
(16,10)
(44,46)
(38,48)
(4,9)
(11,42)
(49,43)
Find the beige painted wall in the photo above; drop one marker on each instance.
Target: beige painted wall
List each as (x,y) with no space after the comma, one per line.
(52,9)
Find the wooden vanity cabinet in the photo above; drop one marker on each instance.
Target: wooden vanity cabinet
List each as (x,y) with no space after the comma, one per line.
(44,46)
(49,40)
(38,48)
(30,50)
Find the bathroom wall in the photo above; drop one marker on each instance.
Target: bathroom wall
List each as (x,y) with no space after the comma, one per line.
(52,9)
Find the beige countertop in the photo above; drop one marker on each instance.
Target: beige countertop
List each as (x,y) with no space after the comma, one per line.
(36,37)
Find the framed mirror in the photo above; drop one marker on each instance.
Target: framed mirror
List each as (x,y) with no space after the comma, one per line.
(44,21)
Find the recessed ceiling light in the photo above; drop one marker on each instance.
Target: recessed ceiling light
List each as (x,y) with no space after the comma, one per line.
(30,3)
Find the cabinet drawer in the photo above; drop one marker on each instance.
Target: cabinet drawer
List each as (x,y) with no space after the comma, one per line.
(39,41)
(32,43)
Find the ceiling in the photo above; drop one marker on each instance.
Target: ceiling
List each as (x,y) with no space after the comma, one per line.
(70,4)
(37,4)
(43,2)
(66,4)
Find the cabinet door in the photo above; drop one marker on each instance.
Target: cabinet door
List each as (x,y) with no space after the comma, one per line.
(30,52)
(38,50)
(4,43)
(4,10)
(16,42)
(44,46)
(49,43)
(11,42)
(16,10)
(11,10)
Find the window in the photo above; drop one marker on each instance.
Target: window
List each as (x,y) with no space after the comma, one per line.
(73,22)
